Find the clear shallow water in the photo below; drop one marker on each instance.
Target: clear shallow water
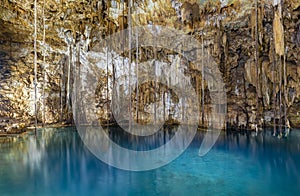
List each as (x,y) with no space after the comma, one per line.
(56,162)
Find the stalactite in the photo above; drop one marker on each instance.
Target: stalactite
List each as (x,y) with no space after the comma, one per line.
(137,78)
(164,104)
(155,84)
(198,93)
(279,47)
(256,61)
(272,50)
(123,50)
(280,97)
(245,102)
(286,124)
(260,21)
(202,79)
(107,72)
(130,60)
(144,100)
(68,81)
(44,65)
(60,95)
(169,97)
(236,95)
(107,77)
(35,64)
(76,76)
(113,85)
(278,30)
(285,91)
(262,74)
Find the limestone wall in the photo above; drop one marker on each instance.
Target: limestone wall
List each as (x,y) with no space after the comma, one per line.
(74,30)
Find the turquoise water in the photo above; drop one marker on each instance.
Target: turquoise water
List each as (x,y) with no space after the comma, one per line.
(56,162)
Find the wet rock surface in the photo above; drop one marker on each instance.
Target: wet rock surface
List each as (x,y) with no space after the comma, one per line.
(74,29)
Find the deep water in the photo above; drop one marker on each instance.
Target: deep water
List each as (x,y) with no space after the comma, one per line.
(56,162)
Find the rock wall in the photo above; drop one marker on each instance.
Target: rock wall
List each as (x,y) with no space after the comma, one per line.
(234,32)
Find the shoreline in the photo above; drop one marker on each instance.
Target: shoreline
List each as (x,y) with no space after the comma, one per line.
(31,128)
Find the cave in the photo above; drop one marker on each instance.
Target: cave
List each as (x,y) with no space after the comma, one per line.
(150,68)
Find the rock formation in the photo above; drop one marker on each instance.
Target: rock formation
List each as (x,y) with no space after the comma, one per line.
(256,48)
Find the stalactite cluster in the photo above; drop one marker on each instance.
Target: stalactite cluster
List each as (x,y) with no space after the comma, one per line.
(255,44)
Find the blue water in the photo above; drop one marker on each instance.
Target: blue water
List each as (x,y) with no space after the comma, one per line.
(56,162)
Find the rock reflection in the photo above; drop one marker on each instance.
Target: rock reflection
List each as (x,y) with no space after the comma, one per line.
(136,153)
(268,152)
(56,162)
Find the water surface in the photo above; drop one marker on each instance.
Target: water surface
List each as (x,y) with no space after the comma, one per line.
(56,162)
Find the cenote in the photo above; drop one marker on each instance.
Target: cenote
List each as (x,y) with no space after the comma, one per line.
(147,65)
(55,161)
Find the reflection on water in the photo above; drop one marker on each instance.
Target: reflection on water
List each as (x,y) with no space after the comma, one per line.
(56,162)
(122,150)
(270,153)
